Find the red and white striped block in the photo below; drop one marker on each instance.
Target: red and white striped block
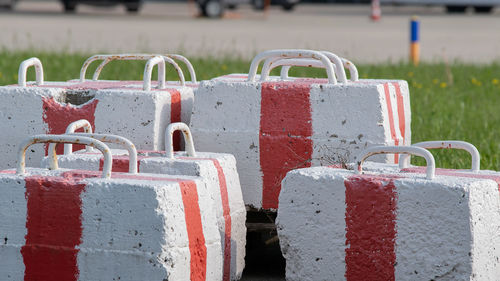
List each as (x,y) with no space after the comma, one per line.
(275,125)
(218,170)
(335,224)
(74,225)
(119,107)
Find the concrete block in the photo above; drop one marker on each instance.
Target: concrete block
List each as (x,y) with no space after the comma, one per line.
(81,225)
(335,224)
(50,106)
(276,125)
(219,172)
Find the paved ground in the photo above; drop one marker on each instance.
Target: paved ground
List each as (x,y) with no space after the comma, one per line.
(162,27)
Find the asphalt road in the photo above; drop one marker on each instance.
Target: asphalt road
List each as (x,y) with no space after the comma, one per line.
(162,27)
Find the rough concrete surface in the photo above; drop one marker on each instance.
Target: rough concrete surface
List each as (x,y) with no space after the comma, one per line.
(163,26)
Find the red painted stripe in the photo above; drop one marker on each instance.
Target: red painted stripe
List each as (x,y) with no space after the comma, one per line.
(370,228)
(58,116)
(227,220)
(285,134)
(196,238)
(401,110)
(391,118)
(54,228)
(120,163)
(175,115)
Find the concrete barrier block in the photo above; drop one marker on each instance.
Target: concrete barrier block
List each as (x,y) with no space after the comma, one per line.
(218,170)
(277,125)
(91,225)
(334,224)
(49,107)
(124,227)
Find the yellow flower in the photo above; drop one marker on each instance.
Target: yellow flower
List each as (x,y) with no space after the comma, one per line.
(494,81)
(476,82)
(224,67)
(410,74)
(435,81)
(443,85)
(1,74)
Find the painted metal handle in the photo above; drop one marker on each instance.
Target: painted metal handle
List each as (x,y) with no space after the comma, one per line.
(414,150)
(288,63)
(148,70)
(404,160)
(82,123)
(272,54)
(336,63)
(21,159)
(188,64)
(108,58)
(23,69)
(188,139)
(142,57)
(353,70)
(107,138)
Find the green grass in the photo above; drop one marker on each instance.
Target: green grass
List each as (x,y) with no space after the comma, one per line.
(457,101)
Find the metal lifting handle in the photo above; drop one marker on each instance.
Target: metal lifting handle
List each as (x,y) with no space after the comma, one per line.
(21,159)
(107,138)
(108,58)
(148,70)
(273,54)
(413,150)
(188,64)
(339,70)
(404,160)
(288,63)
(23,69)
(167,59)
(353,70)
(188,139)
(82,123)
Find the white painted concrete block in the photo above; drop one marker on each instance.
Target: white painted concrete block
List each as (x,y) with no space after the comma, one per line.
(77,226)
(118,107)
(276,125)
(334,224)
(218,170)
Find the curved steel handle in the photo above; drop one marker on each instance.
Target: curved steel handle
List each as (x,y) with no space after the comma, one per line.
(353,70)
(337,64)
(414,150)
(273,54)
(188,139)
(148,70)
(404,160)
(188,64)
(288,63)
(107,138)
(21,161)
(72,127)
(167,59)
(108,58)
(23,69)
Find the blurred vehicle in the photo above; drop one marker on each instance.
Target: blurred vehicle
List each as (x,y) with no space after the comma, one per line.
(216,8)
(132,6)
(7,4)
(452,6)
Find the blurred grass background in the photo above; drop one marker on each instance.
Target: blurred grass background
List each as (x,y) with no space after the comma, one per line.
(454,101)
